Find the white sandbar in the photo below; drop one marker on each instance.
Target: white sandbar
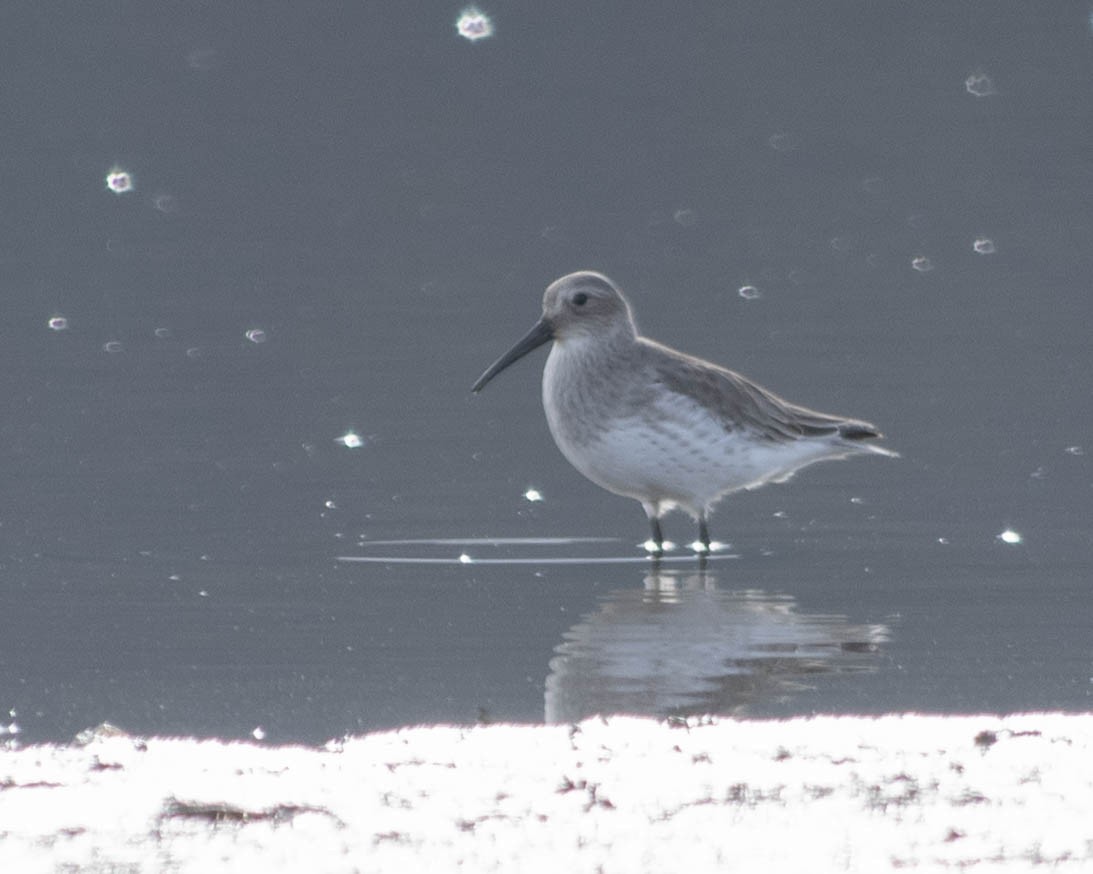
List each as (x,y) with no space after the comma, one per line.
(924,793)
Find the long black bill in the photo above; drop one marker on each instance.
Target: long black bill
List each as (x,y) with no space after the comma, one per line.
(540,333)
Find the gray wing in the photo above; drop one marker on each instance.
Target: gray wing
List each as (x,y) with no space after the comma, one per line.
(744,405)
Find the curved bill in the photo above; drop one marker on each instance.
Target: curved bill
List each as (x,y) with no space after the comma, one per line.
(540,333)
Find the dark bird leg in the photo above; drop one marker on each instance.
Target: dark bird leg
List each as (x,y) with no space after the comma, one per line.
(658,538)
(703,534)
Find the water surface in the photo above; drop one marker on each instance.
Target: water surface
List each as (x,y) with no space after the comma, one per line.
(258,361)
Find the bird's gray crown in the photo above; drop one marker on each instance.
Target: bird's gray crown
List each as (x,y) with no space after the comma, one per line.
(586,302)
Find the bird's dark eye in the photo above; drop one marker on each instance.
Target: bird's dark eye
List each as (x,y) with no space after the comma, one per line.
(580,299)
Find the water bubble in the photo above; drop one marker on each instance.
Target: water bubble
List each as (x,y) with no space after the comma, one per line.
(330,505)
(685,217)
(474,24)
(782,142)
(165,203)
(749,292)
(57,323)
(195,352)
(1010,536)
(112,346)
(979,84)
(1075,450)
(202,59)
(256,335)
(350,440)
(162,333)
(119,181)
(984,246)
(922,264)
(533,495)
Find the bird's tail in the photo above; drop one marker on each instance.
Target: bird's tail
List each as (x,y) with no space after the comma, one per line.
(857,432)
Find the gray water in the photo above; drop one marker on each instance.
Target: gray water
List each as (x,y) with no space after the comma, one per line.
(340,219)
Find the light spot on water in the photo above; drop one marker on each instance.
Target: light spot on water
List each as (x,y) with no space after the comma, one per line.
(162,333)
(202,59)
(922,264)
(350,440)
(474,24)
(685,217)
(1075,450)
(259,733)
(57,323)
(120,181)
(782,142)
(112,346)
(256,335)
(979,85)
(984,246)
(464,558)
(1010,536)
(857,500)
(330,505)
(195,352)
(944,541)
(749,292)
(165,203)
(533,495)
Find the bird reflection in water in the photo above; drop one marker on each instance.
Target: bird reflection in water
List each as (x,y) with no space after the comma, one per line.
(681,645)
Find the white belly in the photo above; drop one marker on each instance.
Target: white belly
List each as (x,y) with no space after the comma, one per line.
(674,453)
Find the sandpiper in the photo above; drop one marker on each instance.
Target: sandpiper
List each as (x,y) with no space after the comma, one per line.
(667,429)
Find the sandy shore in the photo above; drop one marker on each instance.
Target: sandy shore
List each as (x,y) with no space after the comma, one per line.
(923,793)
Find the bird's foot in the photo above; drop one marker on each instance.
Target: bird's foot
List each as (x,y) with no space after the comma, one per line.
(657,550)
